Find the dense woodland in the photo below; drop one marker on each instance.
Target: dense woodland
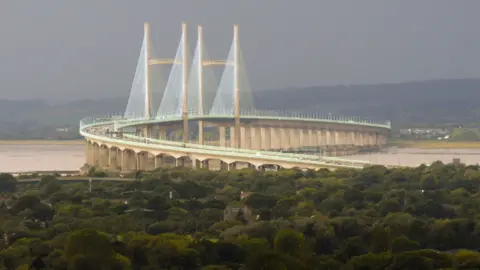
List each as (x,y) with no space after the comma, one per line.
(375,218)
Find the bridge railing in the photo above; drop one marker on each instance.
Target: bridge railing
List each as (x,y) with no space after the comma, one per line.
(256,113)
(311,116)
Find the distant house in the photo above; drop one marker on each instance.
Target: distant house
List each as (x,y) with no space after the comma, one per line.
(63,129)
(4,201)
(238,208)
(244,195)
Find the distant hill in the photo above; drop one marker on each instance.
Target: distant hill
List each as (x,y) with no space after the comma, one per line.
(438,102)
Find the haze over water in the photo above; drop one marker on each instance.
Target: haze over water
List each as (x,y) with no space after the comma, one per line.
(47,157)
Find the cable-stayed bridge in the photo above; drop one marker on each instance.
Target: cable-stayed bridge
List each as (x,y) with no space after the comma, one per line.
(191,119)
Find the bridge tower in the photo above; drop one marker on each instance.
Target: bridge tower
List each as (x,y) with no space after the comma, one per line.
(201,63)
(186,92)
(140,100)
(236,89)
(147,98)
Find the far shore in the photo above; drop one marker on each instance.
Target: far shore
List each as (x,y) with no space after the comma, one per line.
(435,144)
(41,142)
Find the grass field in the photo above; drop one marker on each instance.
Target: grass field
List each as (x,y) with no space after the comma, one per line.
(41,142)
(436,144)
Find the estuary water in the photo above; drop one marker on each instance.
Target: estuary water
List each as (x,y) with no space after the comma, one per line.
(66,157)
(413,157)
(41,157)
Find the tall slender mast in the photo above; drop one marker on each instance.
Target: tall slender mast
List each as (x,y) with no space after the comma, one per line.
(146,33)
(185,84)
(236,88)
(200,84)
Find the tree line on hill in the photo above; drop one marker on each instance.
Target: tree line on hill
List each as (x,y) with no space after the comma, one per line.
(376,218)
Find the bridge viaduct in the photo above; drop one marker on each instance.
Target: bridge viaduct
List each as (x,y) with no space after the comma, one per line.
(238,134)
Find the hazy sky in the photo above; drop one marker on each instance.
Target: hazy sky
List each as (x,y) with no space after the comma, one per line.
(64,50)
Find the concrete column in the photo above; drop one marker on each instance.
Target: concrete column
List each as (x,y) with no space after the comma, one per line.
(341,137)
(119,159)
(138,161)
(123,163)
(301,138)
(336,136)
(293,137)
(103,157)
(141,161)
(352,137)
(87,152)
(265,138)
(95,155)
(345,138)
(223,166)
(245,137)
(150,166)
(329,139)
(232,137)
(128,161)
(311,139)
(320,137)
(298,138)
(91,155)
(147,131)
(196,164)
(282,137)
(179,162)
(305,138)
(112,159)
(205,164)
(158,161)
(201,126)
(256,138)
(274,138)
(243,143)
(144,162)
(162,133)
(222,136)
(232,166)
(132,161)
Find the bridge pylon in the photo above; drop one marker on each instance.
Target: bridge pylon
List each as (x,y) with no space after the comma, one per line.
(225,91)
(184,93)
(236,89)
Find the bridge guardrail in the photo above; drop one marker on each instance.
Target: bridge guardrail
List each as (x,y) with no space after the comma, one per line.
(140,121)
